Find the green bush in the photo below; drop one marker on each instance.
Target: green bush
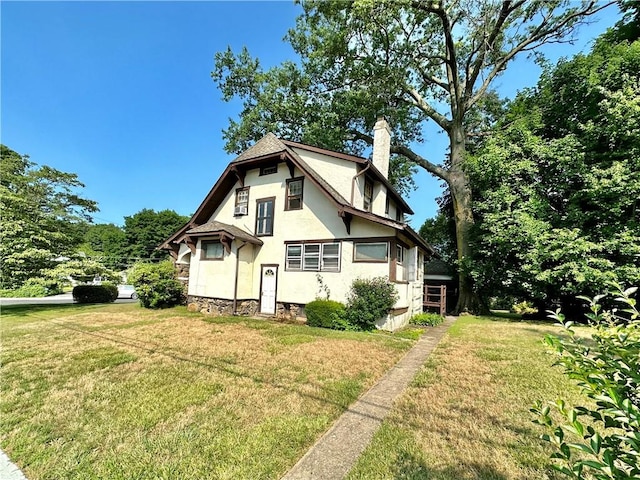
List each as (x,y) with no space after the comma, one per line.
(105,293)
(523,308)
(34,287)
(156,284)
(370,300)
(607,368)
(326,314)
(429,319)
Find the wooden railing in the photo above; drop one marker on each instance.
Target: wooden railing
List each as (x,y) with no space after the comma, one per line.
(436,296)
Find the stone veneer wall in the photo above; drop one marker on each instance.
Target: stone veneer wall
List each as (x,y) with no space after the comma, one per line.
(220,306)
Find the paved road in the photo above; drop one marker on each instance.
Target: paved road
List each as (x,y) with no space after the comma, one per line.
(63,298)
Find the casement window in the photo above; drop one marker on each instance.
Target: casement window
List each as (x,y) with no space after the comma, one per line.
(399,216)
(370,252)
(313,257)
(264,216)
(400,251)
(242,202)
(269,169)
(212,250)
(368,194)
(295,187)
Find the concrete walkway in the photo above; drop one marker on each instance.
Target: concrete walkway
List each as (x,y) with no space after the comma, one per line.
(337,451)
(8,470)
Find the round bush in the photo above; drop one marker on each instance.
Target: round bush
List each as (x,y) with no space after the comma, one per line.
(105,293)
(326,314)
(370,299)
(156,284)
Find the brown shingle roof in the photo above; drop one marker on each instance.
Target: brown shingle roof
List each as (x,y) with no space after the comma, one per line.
(218,227)
(267,145)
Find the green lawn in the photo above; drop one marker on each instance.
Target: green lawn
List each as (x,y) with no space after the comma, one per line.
(120,392)
(466,415)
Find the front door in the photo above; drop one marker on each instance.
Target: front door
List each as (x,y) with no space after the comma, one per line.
(268,284)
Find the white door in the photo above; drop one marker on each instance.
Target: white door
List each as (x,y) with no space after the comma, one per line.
(268,294)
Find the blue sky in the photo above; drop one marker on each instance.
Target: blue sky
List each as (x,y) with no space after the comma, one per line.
(120,94)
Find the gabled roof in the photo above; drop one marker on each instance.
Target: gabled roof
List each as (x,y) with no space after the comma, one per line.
(271,148)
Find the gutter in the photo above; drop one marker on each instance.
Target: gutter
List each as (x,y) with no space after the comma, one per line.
(235,285)
(353,181)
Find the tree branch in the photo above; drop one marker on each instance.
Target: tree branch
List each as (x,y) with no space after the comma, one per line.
(539,36)
(431,112)
(430,167)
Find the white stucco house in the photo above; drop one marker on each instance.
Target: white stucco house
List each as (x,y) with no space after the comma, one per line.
(285,219)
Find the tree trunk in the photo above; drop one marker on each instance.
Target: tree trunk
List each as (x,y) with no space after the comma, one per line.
(468,300)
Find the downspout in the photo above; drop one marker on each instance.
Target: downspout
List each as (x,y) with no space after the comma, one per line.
(235,286)
(353,181)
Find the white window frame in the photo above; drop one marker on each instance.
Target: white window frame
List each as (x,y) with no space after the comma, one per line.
(308,254)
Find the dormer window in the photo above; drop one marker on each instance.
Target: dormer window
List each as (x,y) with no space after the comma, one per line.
(368,194)
(242,202)
(294,193)
(269,169)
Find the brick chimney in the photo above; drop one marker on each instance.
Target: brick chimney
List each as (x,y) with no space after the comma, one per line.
(381,146)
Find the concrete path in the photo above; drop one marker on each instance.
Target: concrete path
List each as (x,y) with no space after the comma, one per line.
(337,451)
(9,471)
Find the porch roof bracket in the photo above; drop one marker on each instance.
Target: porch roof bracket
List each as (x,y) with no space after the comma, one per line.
(346,219)
(291,166)
(226,240)
(191,244)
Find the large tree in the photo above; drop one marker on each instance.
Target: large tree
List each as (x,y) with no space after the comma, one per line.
(557,194)
(43,217)
(413,62)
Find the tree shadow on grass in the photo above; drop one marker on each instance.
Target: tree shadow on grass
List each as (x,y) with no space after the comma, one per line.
(411,467)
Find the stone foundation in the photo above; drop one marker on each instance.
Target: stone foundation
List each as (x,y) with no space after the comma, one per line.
(219,307)
(248,308)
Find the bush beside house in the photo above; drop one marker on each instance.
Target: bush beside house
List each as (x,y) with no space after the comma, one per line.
(156,284)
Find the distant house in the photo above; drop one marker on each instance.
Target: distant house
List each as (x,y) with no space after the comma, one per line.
(285,219)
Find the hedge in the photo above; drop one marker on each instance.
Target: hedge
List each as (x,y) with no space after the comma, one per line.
(105,293)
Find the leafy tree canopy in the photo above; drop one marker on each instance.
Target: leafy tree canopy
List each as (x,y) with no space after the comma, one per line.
(558,183)
(42,216)
(147,229)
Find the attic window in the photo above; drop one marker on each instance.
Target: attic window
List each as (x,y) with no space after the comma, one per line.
(242,202)
(294,193)
(269,169)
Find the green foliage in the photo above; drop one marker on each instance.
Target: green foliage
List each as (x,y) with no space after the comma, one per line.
(105,293)
(34,287)
(607,368)
(523,308)
(440,232)
(427,319)
(156,284)
(326,314)
(369,300)
(147,229)
(81,270)
(108,243)
(42,219)
(557,184)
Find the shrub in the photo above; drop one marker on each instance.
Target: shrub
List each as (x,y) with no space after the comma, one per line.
(105,293)
(156,284)
(34,287)
(607,368)
(523,308)
(326,314)
(370,300)
(429,319)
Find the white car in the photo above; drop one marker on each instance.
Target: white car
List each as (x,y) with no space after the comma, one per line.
(127,291)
